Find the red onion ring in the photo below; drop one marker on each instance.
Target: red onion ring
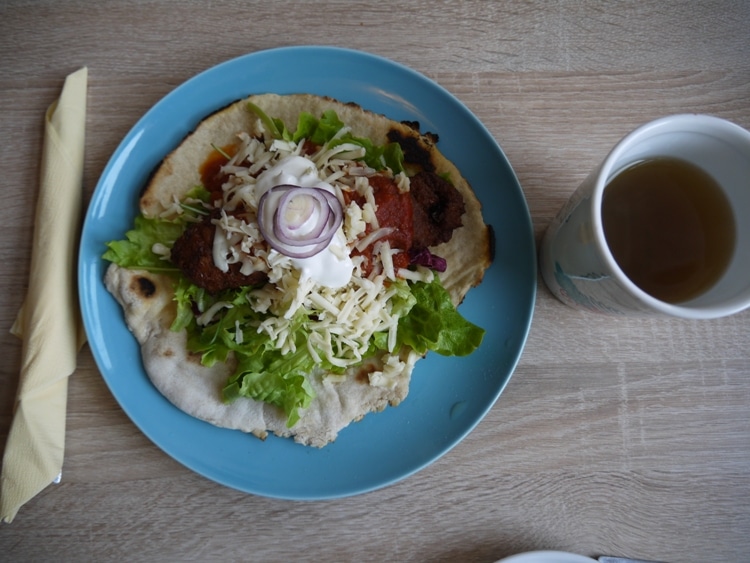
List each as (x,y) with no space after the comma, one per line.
(285,237)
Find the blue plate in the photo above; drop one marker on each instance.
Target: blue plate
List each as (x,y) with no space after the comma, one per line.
(448,396)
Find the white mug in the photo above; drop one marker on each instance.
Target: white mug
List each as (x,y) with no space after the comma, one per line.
(579,267)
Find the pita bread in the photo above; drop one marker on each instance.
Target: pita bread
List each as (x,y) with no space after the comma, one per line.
(149,310)
(146,298)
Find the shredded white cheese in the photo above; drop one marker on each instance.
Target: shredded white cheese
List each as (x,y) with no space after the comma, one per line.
(343,318)
(208,316)
(389,376)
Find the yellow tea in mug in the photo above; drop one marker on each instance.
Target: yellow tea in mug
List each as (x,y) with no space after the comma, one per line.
(669,227)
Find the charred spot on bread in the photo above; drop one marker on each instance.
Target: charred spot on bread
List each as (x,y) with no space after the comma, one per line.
(354,105)
(412,125)
(414,150)
(144,287)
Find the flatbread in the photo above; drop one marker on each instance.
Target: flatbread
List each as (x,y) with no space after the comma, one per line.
(146,298)
(147,302)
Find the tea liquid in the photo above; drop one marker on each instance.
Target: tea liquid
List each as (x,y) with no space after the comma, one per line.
(669,226)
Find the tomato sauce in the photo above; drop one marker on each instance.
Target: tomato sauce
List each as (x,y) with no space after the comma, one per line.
(394,210)
(212,177)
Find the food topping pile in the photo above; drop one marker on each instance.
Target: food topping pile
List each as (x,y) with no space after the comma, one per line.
(305,250)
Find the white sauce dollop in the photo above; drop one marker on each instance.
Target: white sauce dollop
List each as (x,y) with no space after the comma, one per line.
(332,267)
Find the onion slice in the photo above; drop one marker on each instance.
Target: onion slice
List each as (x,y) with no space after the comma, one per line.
(297,221)
(426,258)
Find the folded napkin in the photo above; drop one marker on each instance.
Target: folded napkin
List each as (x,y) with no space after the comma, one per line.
(49,320)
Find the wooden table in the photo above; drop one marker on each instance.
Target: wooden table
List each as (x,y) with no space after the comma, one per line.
(614,436)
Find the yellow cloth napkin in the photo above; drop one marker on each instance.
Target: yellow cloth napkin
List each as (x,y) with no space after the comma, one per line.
(49,320)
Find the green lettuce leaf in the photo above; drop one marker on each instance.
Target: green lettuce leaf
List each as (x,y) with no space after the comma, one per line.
(135,251)
(306,126)
(433,323)
(274,378)
(274,126)
(393,155)
(328,125)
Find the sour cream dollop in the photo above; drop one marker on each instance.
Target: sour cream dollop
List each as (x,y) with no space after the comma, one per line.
(331,267)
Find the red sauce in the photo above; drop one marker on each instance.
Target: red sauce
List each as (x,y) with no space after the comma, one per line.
(309,148)
(210,171)
(394,210)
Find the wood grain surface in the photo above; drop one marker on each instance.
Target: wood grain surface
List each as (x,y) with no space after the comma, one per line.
(614,436)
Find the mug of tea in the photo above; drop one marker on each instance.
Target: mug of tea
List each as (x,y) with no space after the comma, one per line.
(662,226)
